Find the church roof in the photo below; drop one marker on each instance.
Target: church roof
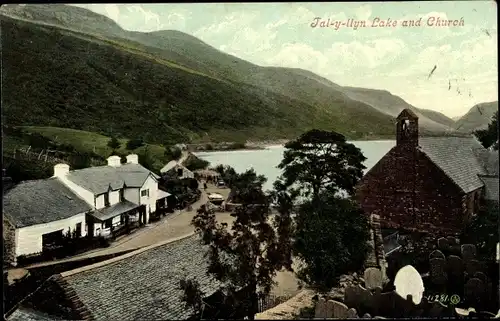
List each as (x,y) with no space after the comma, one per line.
(462,159)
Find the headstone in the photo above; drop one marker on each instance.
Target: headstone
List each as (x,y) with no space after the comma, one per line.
(437,254)
(452,240)
(357,297)
(367,316)
(474,290)
(455,266)
(373,278)
(329,309)
(438,271)
(468,252)
(320,311)
(443,244)
(481,276)
(352,314)
(339,310)
(472,266)
(409,281)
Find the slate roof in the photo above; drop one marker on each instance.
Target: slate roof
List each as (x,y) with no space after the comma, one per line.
(144,286)
(114,210)
(41,201)
(169,166)
(25,314)
(459,157)
(99,179)
(491,188)
(162,194)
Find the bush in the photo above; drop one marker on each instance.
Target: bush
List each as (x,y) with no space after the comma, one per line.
(135,143)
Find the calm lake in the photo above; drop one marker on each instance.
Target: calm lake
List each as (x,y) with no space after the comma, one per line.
(264,161)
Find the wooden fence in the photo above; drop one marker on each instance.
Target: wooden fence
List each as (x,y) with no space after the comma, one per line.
(272,300)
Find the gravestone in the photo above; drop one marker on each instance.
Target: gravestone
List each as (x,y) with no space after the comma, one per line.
(367,316)
(443,244)
(452,240)
(438,271)
(474,291)
(437,254)
(320,311)
(357,297)
(373,278)
(329,309)
(468,252)
(481,276)
(352,314)
(339,310)
(472,266)
(455,267)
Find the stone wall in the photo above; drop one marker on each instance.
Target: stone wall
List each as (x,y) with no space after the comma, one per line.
(409,192)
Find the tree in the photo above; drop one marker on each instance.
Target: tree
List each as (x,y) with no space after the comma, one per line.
(489,136)
(246,257)
(135,143)
(331,240)
(320,160)
(113,143)
(331,232)
(483,231)
(173,153)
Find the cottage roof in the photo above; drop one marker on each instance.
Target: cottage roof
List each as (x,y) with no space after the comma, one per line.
(114,210)
(100,179)
(169,166)
(162,194)
(459,158)
(143,285)
(41,201)
(25,314)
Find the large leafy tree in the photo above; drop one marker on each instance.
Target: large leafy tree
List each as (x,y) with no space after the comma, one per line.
(489,136)
(331,231)
(321,160)
(114,143)
(246,257)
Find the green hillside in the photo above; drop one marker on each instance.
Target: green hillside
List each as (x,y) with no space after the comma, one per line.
(478,117)
(78,81)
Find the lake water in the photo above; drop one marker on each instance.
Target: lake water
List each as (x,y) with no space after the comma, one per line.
(264,161)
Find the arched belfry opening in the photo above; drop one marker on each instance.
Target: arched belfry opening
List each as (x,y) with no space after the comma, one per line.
(407,128)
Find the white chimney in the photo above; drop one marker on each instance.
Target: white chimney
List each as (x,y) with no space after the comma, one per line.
(114,161)
(61,170)
(132,159)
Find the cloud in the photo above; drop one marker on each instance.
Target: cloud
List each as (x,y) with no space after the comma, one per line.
(364,12)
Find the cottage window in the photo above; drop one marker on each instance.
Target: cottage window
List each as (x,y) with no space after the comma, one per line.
(51,239)
(106,199)
(145,193)
(108,224)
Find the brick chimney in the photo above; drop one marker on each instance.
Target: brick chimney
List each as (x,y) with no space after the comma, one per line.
(61,170)
(132,159)
(407,129)
(114,161)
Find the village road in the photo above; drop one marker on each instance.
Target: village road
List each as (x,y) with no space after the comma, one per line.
(174,226)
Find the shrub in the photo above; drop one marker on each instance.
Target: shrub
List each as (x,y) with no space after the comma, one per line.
(134,143)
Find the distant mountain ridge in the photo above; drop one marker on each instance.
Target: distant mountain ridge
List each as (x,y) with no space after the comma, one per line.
(478,117)
(324,104)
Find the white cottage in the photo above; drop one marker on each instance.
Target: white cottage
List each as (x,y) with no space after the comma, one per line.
(117,192)
(93,201)
(36,214)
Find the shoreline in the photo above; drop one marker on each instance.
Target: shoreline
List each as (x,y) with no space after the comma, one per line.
(260,145)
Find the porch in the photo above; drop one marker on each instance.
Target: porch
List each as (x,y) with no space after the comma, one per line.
(163,207)
(106,222)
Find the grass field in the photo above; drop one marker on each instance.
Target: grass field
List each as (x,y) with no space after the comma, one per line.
(84,141)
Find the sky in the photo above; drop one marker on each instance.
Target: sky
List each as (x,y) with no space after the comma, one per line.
(394,58)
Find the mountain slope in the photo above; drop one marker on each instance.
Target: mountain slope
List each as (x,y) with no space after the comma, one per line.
(478,117)
(79,81)
(246,100)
